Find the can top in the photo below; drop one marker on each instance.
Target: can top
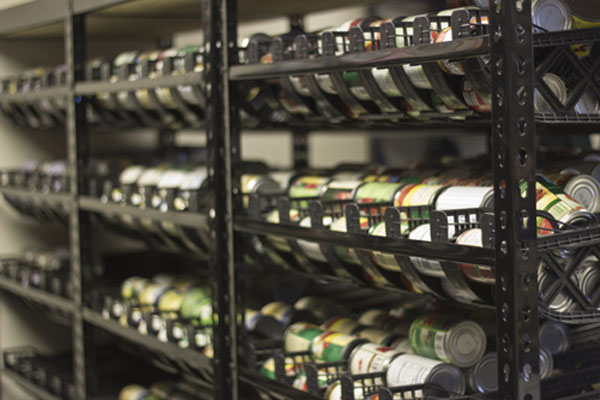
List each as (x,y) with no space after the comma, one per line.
(588,104)
(483,377)
(551,15)
(546,363)
(448,377)
(586,190)
(555,337)
(557,86)
(465,343)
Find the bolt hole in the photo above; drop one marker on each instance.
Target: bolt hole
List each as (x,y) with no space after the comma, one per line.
(504,247)
(503,219)
(527,372)
(506,371)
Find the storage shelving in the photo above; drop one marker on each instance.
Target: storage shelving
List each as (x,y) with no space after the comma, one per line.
(513,124)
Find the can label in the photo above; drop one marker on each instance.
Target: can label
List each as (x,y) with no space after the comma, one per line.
(424,265)
(386,82)
(552,199)
(416,195)
(409,369)
(340,324)
(374,335)
(583,49)
(474,99)
(278,310)
(373,192)
(251,318)
(384,260)
(450,67)
(330,346)
(428,334)
(307,186)
(402,345)
(340,190)
(351,79)
(268,368)
(299,336)
(344,253)
(477,273)
(370,357)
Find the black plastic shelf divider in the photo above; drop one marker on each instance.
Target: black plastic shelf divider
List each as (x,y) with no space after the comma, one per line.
(89,88)
(38,296)
(52,198)
(190,357)
(460,48)
(59,91)
(192,220)
(30,387)
(274,387)
(438,251)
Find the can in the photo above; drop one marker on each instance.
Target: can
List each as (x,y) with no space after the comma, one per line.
(381,337)
(546,363)
(402,345)
(588,166)
(464,197)
(132,287)
(551,15)
(412,369)
(417,195)
(133,392)
(588,104)
(384,260)
(285,313)
(562,302)
(253,183)
(197,305)
(416,73)
(321,308)
(476,273)
(299,336)
(340,324)
(170,301)
(334,346)
(313,249)
(370,357)
(562,207)
(423,265)
(449,339)
(558,88)
(587,276)
(193,181)
(375,317)
(301,383)
(582,188)
(268,368)
(334,392)
(377,192)
(344,253)
(340,190)
(466,3)
(473,99)
(555,336)
(308,186)
(262,325)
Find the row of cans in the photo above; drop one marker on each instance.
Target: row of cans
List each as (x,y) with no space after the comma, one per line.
(161,390)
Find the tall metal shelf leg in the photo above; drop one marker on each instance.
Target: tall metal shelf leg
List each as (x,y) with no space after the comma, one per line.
(515,223)
(223,150)
(79,227)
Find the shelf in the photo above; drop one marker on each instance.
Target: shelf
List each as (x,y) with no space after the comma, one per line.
(274,387)
(45,15)
(39,296)
(438,251)
(170,350)
(460,48)
(61,199)
(187,219)
(37,95)
(30,387)
(90,88)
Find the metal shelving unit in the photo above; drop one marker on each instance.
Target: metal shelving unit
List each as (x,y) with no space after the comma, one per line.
(513,125)
(28,386)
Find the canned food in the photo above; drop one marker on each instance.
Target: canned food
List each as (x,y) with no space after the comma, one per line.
(385,260)
(562,207)
(477,273)
(374,317)
(268,368)
(463,197)
(546,363)
(412,369)
(589,166)
(197,305)
(550,15)
(555,337)
(582,188)
(313,249)
(321,308)
(133,286)
(378,336)
(286,314)
(587,276)
(334,392)
(449,339)
(418,195)
(588,104)
(299,336)
(334,346)
(557,86)
(308,186)
(562,301)
(170,301)
(258,184)
(376,192)
(473,99)
(340,324)
(423,265)
(133,392)
(340,190)
(370,357)
(262,325)
(416,73)
(301,383)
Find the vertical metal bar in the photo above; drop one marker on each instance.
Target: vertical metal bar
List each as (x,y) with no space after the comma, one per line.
(300,148)
(78,155)
(223,151)
(513,148)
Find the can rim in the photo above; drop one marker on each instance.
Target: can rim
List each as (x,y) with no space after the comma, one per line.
(452,343)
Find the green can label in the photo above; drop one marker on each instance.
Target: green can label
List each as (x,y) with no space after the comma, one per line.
(373,192)
(428,333)
(330,346)
(299,336)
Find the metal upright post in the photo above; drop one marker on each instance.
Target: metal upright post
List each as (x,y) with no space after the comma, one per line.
(223,151)
(515,199)
(78,155)
(300,148)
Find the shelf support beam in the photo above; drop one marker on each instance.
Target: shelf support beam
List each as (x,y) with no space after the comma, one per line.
(513,152)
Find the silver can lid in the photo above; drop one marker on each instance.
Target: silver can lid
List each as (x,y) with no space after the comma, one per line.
(447,377)
(586,190)
(555,337)
(562,302)
(588,104)
(557,86)
(483,377)
(546,363)
(465,344)
(551,15)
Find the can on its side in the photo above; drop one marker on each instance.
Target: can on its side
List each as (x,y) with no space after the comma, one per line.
(334,392)
(551,15)
(558,88)
(562,301)
(583,188)
(588,104)
(424,265)
(313,249)
(268,368)
(449,339)
(411,369)
(465,197)
(375,317)
(308,186)
(375,192)
(320,307)
(473,99)
(555,336)
(340,190)
(370,357)
(334,346)
(340,324)
(299,336)
(378,336)
(476,273)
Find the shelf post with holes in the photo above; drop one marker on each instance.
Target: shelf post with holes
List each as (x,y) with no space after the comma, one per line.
(514,159)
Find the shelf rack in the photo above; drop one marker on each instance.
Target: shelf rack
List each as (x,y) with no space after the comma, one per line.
(30,387)
(513,125)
